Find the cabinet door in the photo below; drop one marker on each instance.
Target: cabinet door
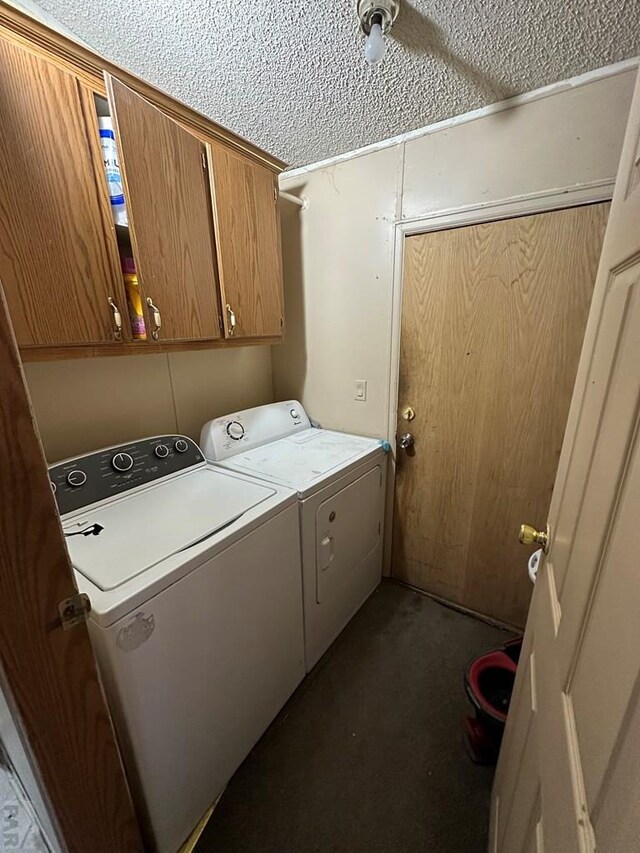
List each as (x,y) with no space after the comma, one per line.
(57,266)
(169,208)
(248,244)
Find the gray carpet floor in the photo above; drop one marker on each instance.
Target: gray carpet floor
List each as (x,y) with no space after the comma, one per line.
(367,757)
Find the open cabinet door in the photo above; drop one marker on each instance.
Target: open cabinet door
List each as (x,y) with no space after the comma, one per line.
(568,774)
(169,208)
(50,674)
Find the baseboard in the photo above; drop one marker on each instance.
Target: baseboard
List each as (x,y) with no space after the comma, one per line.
(452,605)
(493,824)
(190,844)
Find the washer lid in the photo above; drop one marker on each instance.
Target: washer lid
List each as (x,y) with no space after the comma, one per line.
(300,459)
(147,527)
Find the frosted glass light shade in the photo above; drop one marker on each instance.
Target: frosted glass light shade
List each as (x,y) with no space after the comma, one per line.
(374,46)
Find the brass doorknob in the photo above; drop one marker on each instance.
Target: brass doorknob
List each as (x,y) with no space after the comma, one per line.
(529,535)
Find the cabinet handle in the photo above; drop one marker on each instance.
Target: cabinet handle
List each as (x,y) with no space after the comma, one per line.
(117,320)
(232,320)
(157,319)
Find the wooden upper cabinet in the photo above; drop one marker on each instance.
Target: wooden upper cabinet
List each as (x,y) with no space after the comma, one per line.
(166,190)
(58,266)
(248,244)
(203,231)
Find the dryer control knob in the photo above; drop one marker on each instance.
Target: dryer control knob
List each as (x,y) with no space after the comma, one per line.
(295,414)
(122,462)
(235,430)
(181,445)
(161,451)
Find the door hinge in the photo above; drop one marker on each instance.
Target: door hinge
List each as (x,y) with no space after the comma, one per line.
(74,610)
(204,160)
(275,194)
(221,324)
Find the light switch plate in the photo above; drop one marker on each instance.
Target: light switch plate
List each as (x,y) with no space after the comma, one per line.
(361,390)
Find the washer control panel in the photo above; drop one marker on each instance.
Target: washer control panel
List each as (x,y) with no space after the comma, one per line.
(96,476)
(243,431)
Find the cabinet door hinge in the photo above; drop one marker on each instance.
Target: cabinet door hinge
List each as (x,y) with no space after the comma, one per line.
(275,194)
(221,324)
(74,610)
(204,160)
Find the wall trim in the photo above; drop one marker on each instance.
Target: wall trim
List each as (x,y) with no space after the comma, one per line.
(491,109)
(460,608)
(554,198)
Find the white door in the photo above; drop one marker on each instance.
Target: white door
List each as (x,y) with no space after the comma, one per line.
(568,778)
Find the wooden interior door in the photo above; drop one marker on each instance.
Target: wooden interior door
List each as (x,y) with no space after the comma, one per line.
(568,774)
(493,319)
(58,261)
(51,674)
(169,209)
(248,242)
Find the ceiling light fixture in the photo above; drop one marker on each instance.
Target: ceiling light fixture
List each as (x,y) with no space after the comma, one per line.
(376,20)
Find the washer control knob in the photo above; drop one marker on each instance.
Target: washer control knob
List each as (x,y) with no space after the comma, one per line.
(235,430)
(54,488)
(181,445)
(161,451)
(76,478)
(122,462)
(295,414)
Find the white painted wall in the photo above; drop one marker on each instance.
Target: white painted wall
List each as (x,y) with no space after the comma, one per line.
(338,257)
(339,251)
(88,403)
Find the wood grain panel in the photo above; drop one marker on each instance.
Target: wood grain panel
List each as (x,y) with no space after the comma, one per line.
(51,674)
(55,261)
(492,324)
(169,214)
(88,102)
(248,243)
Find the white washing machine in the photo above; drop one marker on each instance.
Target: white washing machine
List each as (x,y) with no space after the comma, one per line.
(340,480)
(195,584)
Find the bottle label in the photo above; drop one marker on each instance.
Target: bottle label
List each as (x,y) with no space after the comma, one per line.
(138,328)
(111,166)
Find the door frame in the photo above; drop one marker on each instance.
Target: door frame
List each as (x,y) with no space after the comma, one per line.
(525,204)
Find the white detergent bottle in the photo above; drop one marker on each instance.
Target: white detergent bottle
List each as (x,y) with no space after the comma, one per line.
(112,170)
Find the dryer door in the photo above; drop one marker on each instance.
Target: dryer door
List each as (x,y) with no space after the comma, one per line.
(347,531)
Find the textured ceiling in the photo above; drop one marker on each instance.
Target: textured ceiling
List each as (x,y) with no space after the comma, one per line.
(290,76)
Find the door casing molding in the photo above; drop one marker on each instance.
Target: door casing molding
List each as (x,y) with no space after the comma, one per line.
(525,204)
